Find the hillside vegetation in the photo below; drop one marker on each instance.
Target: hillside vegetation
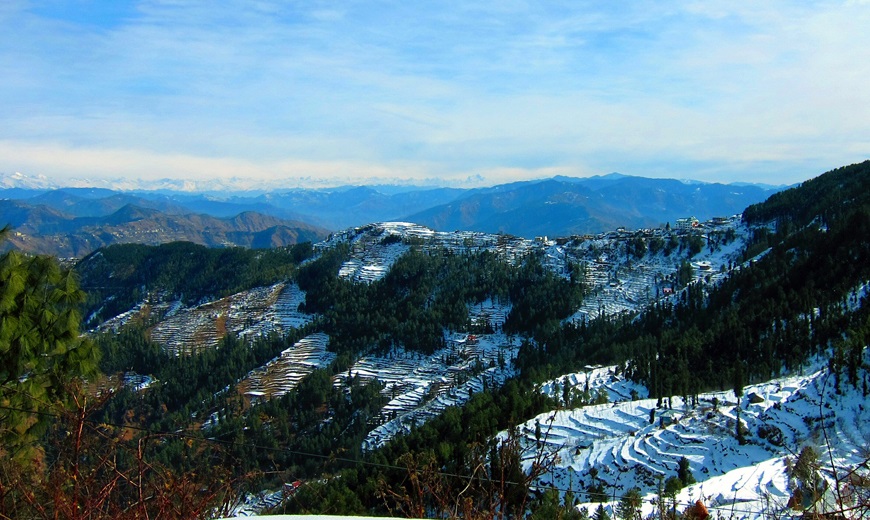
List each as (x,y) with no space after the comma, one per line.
(72,227)
(465,374)
(119,277)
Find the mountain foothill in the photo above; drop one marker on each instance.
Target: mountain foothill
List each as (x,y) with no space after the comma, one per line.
(547,349)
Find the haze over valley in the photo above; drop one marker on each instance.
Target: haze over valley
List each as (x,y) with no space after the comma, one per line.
(73,222)
(479,260)
(597,365)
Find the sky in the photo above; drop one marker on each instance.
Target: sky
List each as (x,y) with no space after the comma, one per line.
(462,93)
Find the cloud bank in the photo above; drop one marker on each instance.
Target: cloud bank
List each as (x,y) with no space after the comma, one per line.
(339,92)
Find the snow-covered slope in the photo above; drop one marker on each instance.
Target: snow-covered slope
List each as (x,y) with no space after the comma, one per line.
(421,387)
(286,371)
(635,443)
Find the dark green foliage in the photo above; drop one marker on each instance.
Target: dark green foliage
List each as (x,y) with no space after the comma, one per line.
(630,504)
(684,473)
(550,506)
(656,244)
(685,273)
(694,243)
(547,506)
(295,423)
(807,484)
(336,496)
(282,432)
(828,197)
(805,467)
(600,513)
(185,383)
(636,247)
(41,351)
(130,351)
(120,276)
(540,299)
(426,292)
(673,485)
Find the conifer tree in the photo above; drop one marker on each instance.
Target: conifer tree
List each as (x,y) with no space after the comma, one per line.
(629,505)
(738,393)
(684,472)
(600,513)
(41,349)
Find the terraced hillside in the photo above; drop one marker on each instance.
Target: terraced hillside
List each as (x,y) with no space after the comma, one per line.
(420,387)
(637,443)
(257,312)
(283,374)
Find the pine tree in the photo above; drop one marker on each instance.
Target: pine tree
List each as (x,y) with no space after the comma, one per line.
(629,505)
(600,513)
(41,350)
(684,472)
(738,393)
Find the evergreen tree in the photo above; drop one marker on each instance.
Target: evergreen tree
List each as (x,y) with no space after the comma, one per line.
(41,350)
(738,393)
(600,513)
(629,505)
(684,473)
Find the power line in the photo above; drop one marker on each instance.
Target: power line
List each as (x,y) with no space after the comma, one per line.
(182,435)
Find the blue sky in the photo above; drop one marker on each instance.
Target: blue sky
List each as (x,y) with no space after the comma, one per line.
(463,93)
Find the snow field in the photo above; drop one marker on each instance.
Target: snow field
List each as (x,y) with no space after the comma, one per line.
(618,439)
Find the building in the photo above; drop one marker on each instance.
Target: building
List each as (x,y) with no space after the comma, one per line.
(687,223)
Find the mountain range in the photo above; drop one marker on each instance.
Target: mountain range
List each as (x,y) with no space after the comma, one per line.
(75,221)
(40,228)
(644,373)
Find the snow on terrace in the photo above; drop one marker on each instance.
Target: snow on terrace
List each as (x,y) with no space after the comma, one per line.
(284,373)
(256,312)
(376,247)
(628,450)
(421,387)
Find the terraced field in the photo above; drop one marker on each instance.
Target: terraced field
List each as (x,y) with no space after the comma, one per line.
(627,449)
(284,373)
(421,387)
(247,314)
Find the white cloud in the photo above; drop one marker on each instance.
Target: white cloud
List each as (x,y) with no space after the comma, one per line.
(386,88)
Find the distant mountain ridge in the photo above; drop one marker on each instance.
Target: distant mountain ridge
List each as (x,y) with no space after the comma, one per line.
(72,221)
(41,229)
(564,206)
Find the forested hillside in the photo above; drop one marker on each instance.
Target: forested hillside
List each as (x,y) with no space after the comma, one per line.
(118,277)
(63,225)
(421,373)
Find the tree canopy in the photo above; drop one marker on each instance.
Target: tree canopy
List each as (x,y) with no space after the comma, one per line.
(40,346)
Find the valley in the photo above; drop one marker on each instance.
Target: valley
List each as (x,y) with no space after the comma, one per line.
(695,361)
(474,260)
